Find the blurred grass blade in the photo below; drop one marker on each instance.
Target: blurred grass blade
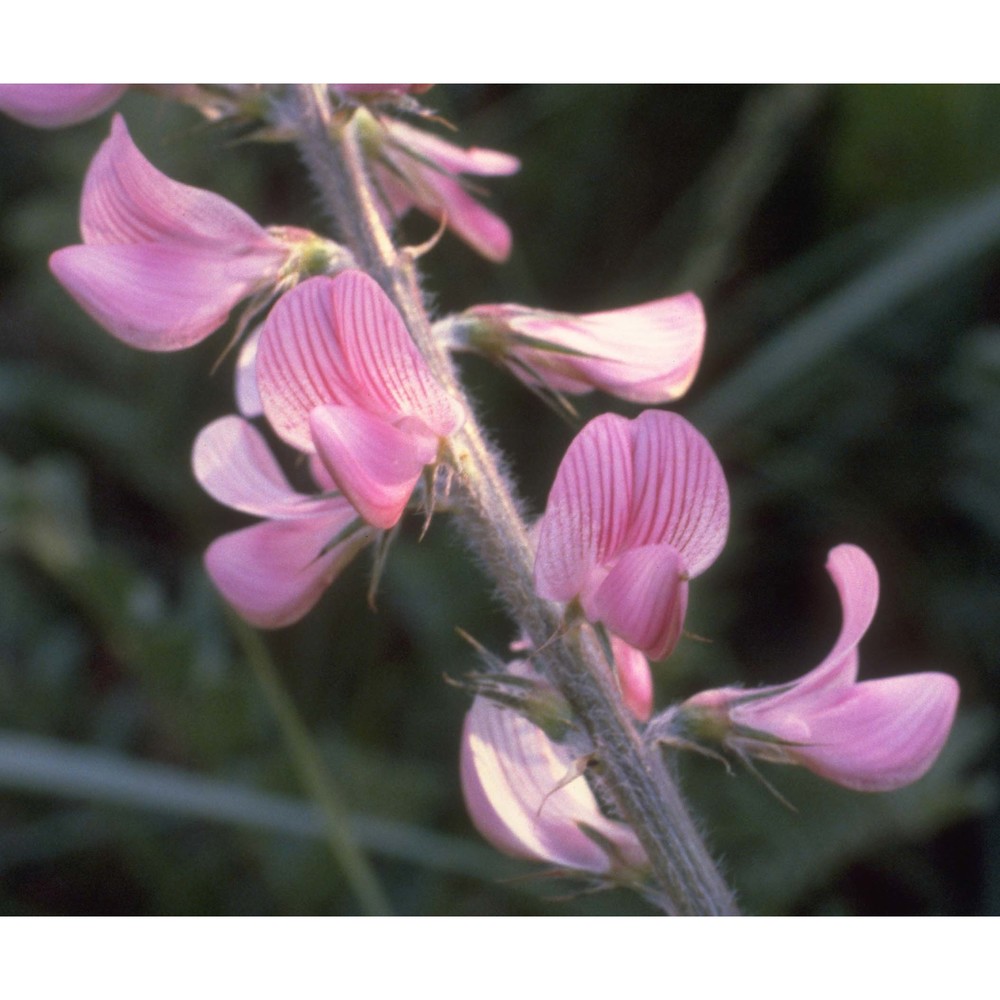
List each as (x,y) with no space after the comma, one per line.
(953,239)
(314,773)
(43,766)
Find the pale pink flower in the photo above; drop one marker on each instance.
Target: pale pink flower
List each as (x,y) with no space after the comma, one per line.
(339,376)
(52,105)
(414,169)
(637,508)
(511,773)
(162,264)
(645,354)
(273,572)
(871,736)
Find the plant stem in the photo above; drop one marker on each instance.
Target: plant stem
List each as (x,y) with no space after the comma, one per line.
(315,775)
(489,515)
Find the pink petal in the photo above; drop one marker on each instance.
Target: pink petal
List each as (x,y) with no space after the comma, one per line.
(679,490)
(234,465)
(586,516)
(273,573)
(509,770)
(643,599)
(646,354)
(856,580)
(127,200)
(451,158)
(634,678)
(375,464)
(340,340)
(156,297)
(424,174)
(247,395)
(883,734)
(52,105)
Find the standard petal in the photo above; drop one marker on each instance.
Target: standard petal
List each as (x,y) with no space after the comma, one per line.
(587,513)
(127,200)
(52,105)
(856,580)
(156,297)
(679,490)
(341,341)
(643,599)
(509,773)
(233,464)
(883,734)
(375,465)
(274,572)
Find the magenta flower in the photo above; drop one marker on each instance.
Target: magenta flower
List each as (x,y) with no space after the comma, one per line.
(414,169)
(510,773)
(637,509)
(872,736)
(645,354)
(273,572)
(52,105)
(162,264)
(339,376)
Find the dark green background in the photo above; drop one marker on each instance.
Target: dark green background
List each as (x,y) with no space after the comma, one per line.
(844,241)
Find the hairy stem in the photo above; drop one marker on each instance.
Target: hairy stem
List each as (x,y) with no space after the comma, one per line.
(488,514)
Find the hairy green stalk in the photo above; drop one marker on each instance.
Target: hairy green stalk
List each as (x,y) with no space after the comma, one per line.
(487,512)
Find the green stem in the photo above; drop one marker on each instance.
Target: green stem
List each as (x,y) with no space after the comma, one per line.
(314,773)
(489,515)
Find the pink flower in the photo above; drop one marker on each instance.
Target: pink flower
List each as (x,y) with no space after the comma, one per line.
(273,572)
(52,105)
(162,264)
(339,376)
(871,736)
(510,774)
(414,169)
(637,509)
(645,354)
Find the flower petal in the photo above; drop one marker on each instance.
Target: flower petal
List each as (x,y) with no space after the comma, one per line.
(509,770)
(883,734)
(247,395)
(127,200)
(587,513)
(52,105)
(856,580)
(234,465)
(449,157)
(679,490)
(375,464)
(157,297)
(273,573)
(643,599)
(342,341)
(634,678)
(646,354)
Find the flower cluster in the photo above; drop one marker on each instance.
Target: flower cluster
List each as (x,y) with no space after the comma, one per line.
(638,508)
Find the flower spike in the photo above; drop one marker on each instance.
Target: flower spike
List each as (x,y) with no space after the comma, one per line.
(637,509)
(871,736)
